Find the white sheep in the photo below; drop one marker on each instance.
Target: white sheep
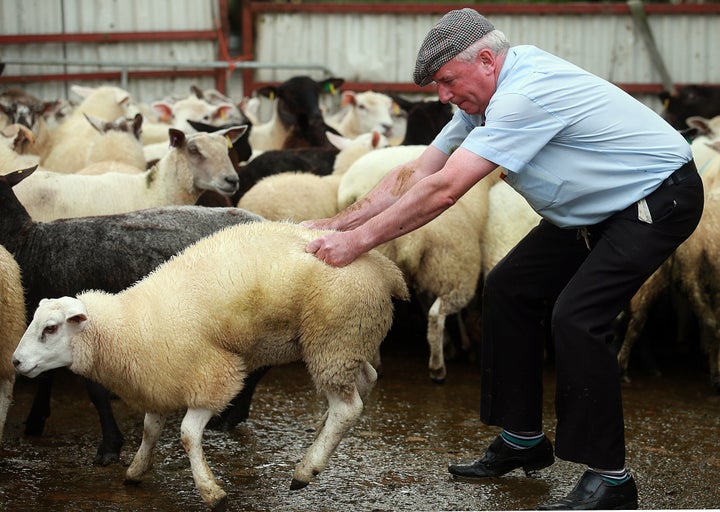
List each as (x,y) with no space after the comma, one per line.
(12,325)
(364,112)
(191,108)
(693,271)
(299,196)
(369,169)
(171,341)
(41,117)
(441,260)
(197,163)
(119,142)
(706,147)
(66,149)
(11,137)
(509,219)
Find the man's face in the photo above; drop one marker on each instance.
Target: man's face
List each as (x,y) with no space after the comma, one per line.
(469,85)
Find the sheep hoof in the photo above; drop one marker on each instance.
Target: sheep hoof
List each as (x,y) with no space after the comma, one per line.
(105,459)
(297,484)
(220,505)
(132,481)
(438,375)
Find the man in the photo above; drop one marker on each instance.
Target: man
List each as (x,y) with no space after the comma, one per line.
(617,191)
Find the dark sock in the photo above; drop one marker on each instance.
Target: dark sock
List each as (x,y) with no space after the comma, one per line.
(521,441)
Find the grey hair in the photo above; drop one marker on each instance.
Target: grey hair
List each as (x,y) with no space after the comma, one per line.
(495,41)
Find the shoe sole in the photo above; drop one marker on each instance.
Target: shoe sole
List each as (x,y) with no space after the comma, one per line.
(528,468)
(531,468)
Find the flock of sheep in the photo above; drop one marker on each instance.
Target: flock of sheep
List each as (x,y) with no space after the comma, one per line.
(140,244)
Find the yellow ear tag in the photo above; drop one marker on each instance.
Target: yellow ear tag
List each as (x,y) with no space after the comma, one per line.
(229,142)
(332,88)
(272,95)
(666,103)
(396,109)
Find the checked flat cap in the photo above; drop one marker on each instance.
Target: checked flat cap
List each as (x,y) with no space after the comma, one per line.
(451,35)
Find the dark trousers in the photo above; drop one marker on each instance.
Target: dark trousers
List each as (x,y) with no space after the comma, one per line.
(552,273)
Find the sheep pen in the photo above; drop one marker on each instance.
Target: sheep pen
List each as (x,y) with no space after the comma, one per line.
(282,305)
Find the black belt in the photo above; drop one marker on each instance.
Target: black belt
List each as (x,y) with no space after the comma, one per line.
(683,173)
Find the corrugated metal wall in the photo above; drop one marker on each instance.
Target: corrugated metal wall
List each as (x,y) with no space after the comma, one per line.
(382,48)
(108,16)
(375,45)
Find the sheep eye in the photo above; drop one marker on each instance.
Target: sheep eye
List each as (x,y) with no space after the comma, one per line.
(193,150)
(50,329)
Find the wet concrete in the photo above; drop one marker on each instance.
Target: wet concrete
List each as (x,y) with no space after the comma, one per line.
(395,458)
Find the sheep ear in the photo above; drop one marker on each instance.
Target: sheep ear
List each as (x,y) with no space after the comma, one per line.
(235,132)
(75,312)
(348,98)
(82,91)
(332,85)
(269,91)
(401,102)
(700,123)
(96,123)
(137,125)
(197,92)
(222,111)
(163,110)
(177,138)
(77,318)
(13,178)
(336,140)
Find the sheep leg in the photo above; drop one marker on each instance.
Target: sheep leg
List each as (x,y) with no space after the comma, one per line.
(711,344)
(108,450)
(343,412)
(239,408)
(435,338)
(191,432)
(40,409)
(639,308)
(364,381)
(714,355)
(143,460)
(6,394)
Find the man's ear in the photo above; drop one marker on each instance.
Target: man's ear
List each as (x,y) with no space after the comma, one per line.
(485,56)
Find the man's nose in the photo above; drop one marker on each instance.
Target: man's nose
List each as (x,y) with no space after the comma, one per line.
(444,93)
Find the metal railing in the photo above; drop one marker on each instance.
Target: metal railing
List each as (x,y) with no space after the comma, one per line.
(124,68)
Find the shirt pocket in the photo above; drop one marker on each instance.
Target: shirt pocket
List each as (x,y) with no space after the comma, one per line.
(540,188)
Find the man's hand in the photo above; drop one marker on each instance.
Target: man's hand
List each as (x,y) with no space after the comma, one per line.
(336,248)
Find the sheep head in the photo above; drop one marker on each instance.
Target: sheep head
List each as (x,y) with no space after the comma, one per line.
(47,342)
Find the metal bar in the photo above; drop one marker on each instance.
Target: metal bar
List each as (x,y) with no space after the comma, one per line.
(103,76)
(174,69)
(110,37)
(570,8)
(641,23)
(178,64)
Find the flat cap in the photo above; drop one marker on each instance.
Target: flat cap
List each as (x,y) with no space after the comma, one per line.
(455,32)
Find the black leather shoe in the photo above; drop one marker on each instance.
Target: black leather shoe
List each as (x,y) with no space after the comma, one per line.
(593,493)
(501,458)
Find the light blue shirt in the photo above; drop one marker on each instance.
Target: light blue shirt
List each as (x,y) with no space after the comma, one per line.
(575,146)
